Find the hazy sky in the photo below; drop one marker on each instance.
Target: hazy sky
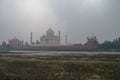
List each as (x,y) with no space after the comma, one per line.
(76,18)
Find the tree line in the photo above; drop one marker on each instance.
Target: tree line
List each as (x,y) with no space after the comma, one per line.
(110,45)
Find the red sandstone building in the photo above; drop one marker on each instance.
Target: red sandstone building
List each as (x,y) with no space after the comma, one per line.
(91,41)
(16,43)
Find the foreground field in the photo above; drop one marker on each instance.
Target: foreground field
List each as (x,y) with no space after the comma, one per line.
(59,66)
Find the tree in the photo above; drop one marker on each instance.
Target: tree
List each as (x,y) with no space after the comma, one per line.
(106,45)
(4,45)
(37,42)
(115,44)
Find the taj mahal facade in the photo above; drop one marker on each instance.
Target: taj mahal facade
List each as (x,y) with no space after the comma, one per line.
(48,39)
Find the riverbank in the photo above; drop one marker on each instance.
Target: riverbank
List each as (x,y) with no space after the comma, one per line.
(59,66)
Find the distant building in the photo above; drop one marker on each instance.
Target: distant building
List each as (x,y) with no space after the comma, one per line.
(16,43)
(50,39)
(91,41)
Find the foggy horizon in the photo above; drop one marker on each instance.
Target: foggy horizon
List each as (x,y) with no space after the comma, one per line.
(75,18)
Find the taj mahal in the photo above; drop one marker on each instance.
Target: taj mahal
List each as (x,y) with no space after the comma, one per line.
(48,39)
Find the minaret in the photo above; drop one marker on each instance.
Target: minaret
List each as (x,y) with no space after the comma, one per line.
(59,35)
(65,39)
(31,38)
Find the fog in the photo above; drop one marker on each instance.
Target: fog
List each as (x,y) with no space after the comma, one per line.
(76,18)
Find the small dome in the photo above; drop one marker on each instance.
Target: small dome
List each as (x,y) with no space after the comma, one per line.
(50,32)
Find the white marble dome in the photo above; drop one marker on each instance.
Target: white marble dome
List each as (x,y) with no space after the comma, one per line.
(50,32)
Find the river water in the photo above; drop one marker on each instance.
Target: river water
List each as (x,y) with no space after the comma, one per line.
(30,53)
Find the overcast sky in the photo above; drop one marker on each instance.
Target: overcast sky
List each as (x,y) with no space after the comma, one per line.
(76,18)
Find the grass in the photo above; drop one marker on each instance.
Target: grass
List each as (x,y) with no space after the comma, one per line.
(60,67)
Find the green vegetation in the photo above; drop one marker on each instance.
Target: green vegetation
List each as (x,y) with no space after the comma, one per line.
(111,45)
(60,67)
